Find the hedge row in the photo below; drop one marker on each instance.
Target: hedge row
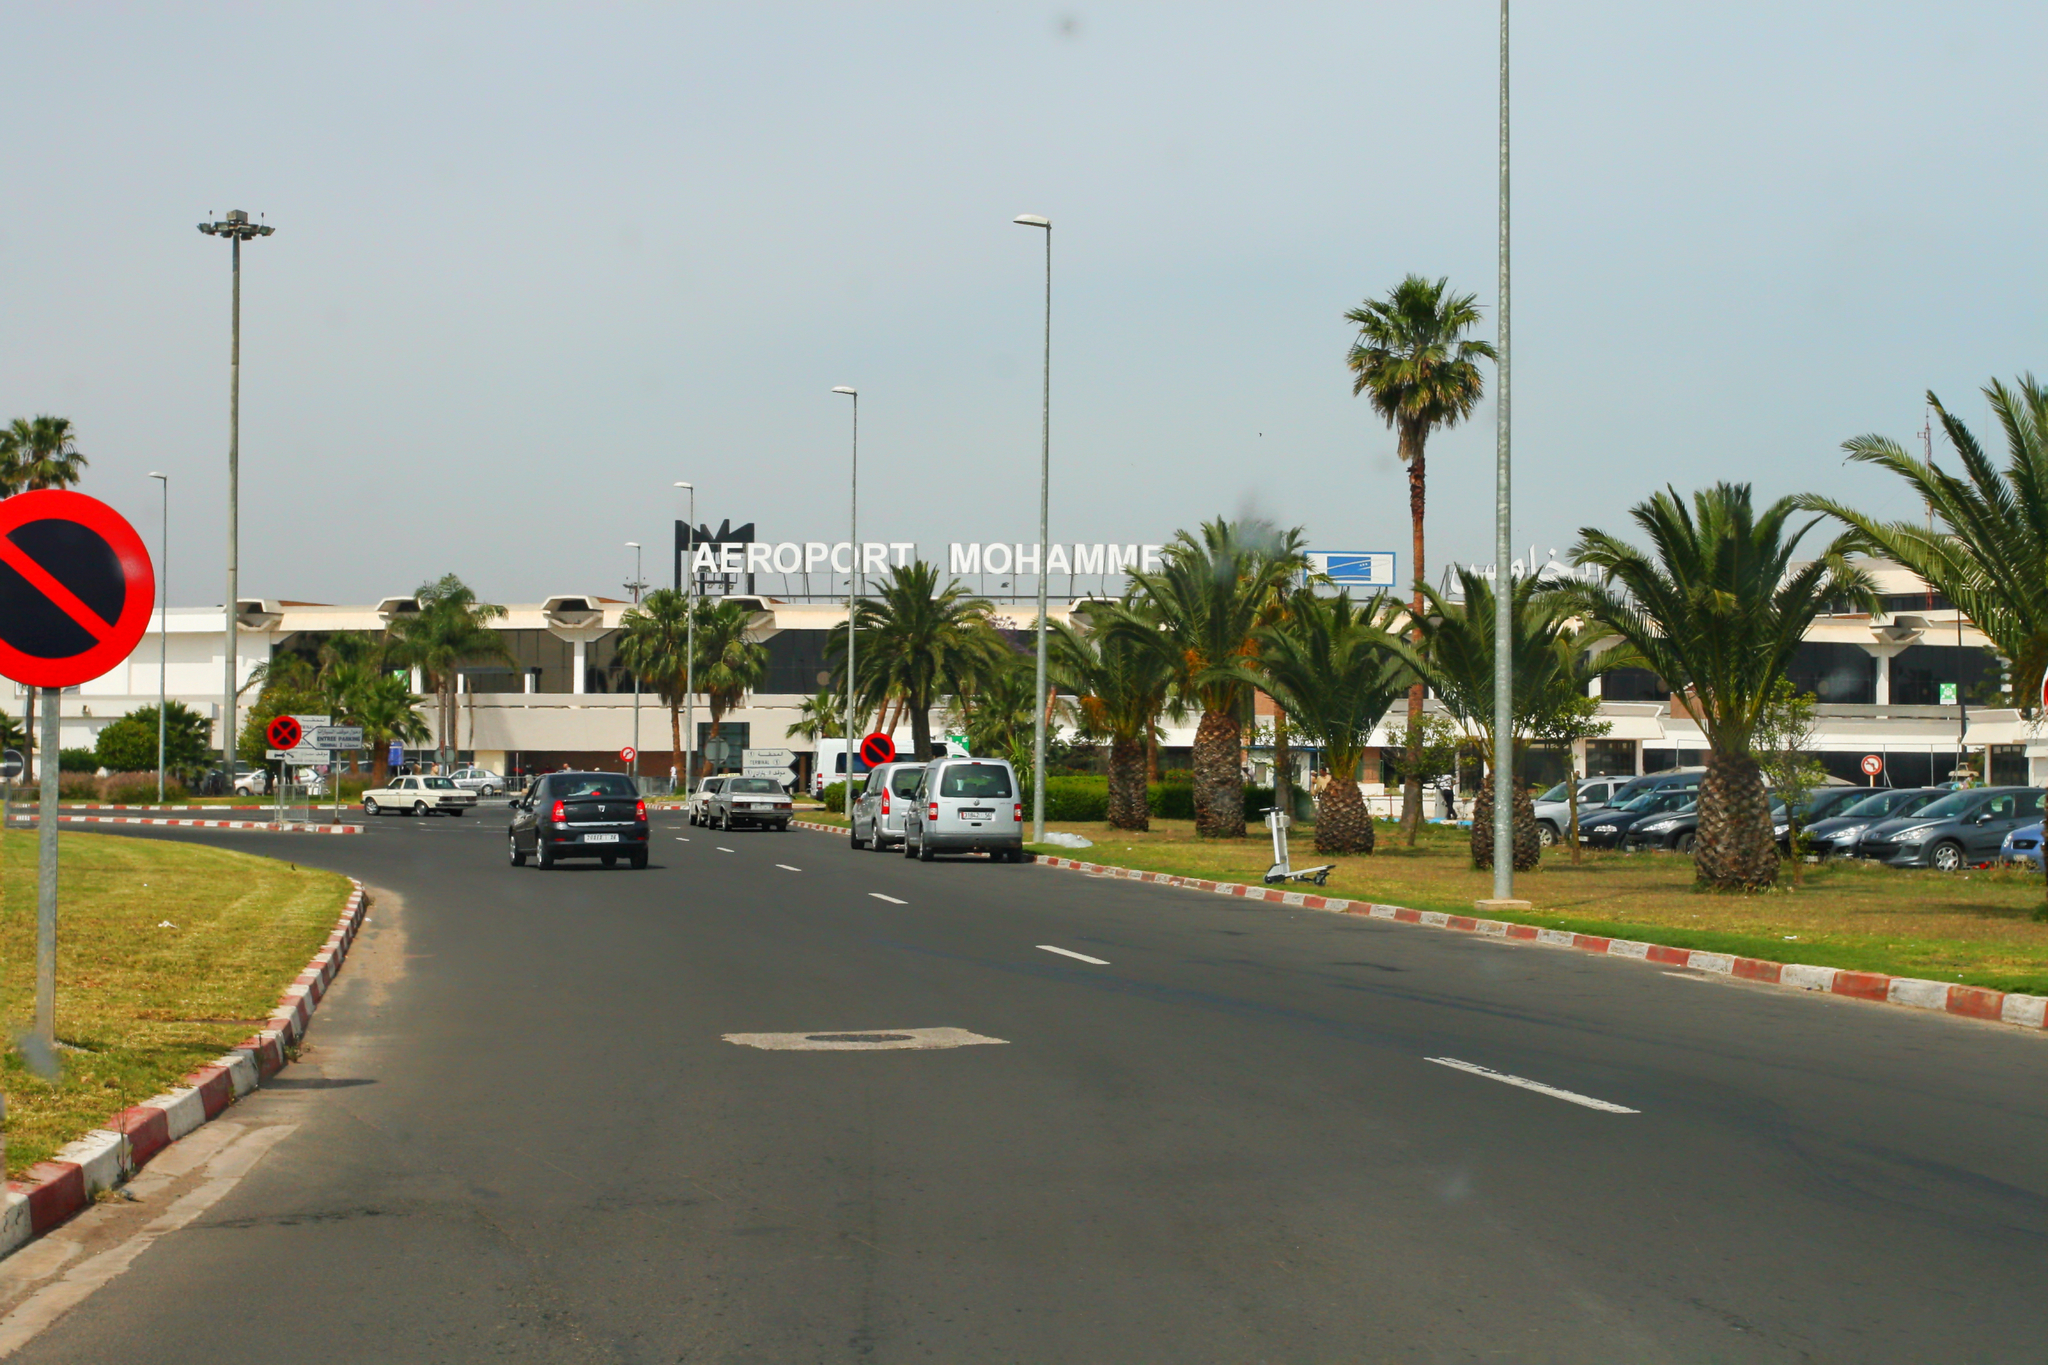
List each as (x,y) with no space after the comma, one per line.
(1087,799)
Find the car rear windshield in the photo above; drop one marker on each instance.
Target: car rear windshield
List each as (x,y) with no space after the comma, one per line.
(975,781)
(904,781)
(593,784)
(755,784)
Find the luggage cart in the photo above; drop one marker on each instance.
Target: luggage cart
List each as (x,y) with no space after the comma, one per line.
(1278,820)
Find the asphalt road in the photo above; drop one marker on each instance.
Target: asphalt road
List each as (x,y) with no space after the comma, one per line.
(521,1136)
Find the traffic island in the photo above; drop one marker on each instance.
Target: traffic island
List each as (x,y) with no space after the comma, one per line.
(185,974)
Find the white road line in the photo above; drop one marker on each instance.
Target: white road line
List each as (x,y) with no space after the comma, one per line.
(1064,952)
(681,840)
(891,899)
(721,848)
(787,868)
(1537,1086)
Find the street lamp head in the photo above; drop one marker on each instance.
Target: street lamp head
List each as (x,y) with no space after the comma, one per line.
(154,475)
(207,228)
(682,484)
(1032,220)
(632,544)
(843,389)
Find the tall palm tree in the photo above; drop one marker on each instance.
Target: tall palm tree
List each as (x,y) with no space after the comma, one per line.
(1990,557)
(1718,612)
(450,629)
(730,663)
(1202,610)
(1336,669)
(822,716)
(916,643)
(387,709)
(1413,357)
(997,707)
(656,647)
(1457,659)
(1120,690)
(40,452)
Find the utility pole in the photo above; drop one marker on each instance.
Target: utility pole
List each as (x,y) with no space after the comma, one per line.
(1503,583)
(634,587)
(1044,549)
(237,228)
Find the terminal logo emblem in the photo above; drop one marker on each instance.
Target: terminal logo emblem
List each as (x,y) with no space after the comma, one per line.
(284,733)
(877,749)
(76,587)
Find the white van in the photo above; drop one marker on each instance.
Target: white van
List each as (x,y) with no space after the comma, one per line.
(966,805)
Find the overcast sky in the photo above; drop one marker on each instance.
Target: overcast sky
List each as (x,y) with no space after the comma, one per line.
(533,265)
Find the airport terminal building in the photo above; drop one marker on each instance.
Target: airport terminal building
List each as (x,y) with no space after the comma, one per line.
(1913,684)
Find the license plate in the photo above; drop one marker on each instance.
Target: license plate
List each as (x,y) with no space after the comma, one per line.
(600,838)
(977,815)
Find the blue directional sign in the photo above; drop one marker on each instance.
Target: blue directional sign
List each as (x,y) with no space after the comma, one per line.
(1355,568)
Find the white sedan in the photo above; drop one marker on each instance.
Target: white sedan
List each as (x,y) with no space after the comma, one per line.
(482,781)
(418,796)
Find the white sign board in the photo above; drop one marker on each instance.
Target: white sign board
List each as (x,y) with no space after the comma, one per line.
(783,775)
(1355,568)
(334,737)
(305,756)
(768,758)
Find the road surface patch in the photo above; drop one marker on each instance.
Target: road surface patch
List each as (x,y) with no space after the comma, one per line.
(1569,1096)
(1068,952)
(872,1040)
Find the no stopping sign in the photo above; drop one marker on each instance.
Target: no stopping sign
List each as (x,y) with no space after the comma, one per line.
(76,588)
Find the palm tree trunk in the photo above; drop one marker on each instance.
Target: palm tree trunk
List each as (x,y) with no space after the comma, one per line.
(675,741)
(1412,439)
(1152,748)
(1343,824)
(1572,830)
(1219,782)
(1283,765)
(1528,847)
(1736,849)
(1129,802)
(920,727)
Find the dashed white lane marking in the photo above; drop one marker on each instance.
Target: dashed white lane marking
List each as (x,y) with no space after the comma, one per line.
(681,840)
(868,1040)
(891,899)
(787,868)
(1067,952)
(1570,1097)
(721,848)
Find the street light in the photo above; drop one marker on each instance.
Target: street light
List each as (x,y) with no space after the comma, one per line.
(1504,588)
(163,625)
(1044,497)
(237,228)
(690,647)
(852,590)
(634,587)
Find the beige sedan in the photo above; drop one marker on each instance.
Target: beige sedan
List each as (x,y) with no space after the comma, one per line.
(418,796)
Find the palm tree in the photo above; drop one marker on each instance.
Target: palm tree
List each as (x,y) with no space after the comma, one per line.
(915,643)
(1120,689)
(1413,357)
(451,628)
(1991,556)
(1202,610)
(656,647)
(730,664)
(1718,613)
(819,717)
(387,709)
(40,452)
(998,707)
(1336,669)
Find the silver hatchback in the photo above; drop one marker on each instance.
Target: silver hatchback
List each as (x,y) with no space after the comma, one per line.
(879,809)
(966,805)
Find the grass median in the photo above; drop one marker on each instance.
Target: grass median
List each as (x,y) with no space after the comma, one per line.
(1973,927)
(168,954)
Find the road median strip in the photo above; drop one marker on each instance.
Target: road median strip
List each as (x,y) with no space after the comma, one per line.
(1941,997)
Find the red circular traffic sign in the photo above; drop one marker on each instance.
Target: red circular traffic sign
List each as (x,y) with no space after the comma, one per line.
(628,754)
(1872,765)
(76,587)
(284,733)
(877,749)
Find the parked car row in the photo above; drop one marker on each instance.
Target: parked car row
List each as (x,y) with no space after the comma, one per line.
(949,805)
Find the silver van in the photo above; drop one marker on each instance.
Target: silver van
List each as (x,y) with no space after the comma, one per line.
(966,805)
(878,810)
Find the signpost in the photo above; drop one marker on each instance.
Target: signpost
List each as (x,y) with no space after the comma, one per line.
(76,589)
(778,765)
(283,734)
(877,749)
(1872,766)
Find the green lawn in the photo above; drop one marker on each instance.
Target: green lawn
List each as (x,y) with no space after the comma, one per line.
(140,1004)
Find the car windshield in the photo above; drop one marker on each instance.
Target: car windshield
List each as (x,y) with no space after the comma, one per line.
(438,783)
(1659,800)
(593,784)
(1887,803)
(904,781)
(975,781)
(755,784)
(1952,805)
(1562,791)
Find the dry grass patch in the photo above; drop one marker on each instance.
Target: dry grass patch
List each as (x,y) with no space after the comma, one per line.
(139,1005)
(1974,927)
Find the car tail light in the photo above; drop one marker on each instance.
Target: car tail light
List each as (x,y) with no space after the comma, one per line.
(559,815)
(640,811)
(1019,816)
(885,803)
(934,816)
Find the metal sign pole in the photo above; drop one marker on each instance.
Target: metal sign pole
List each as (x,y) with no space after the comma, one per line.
(46,879)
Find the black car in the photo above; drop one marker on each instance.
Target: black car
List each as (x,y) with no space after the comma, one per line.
(1688,778)
(1607,828)
(1838,836)
(579,815)
(1676,831)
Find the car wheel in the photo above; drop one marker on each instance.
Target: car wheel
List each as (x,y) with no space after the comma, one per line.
(489,791)
(908,851)
(543,857)
(1546,834)
(419,808)
(1947,856)
(853,836)
(457,810)
(924,852)
(1686,841)
(512,849)
(370,806)
(610,860)
(639,862)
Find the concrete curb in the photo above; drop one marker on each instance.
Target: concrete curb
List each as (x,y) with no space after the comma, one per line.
(1972,1002)
(195,824)
(50,1192)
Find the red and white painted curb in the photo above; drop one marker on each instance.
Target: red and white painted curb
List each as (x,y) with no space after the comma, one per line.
(52,1191)
(1972,1002)
(195,824)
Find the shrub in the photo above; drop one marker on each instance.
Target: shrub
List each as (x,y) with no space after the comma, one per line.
(78,761)
(125,747)
(135,789)
(835,796)
(77,786)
